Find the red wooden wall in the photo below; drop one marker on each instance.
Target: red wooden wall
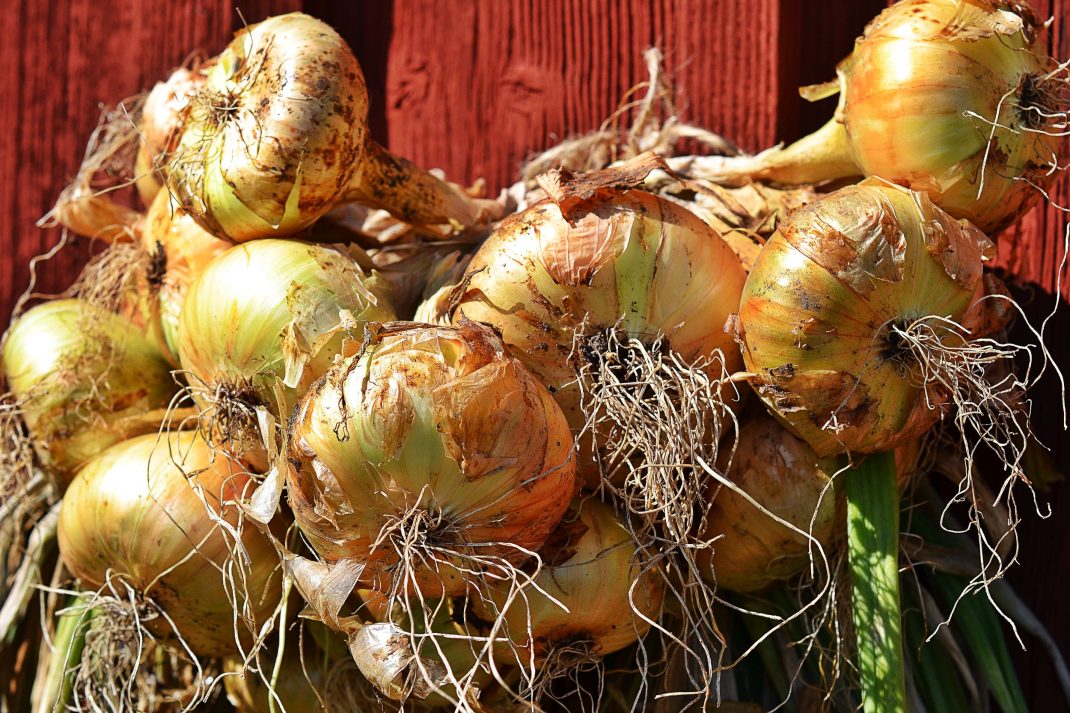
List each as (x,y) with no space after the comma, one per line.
(474,86)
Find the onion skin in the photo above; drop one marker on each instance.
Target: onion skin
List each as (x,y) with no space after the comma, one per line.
(85,379)
(434,421)
(626,257)
(161,117)
(274,310)
(131,513)
(815,310)
(590,568)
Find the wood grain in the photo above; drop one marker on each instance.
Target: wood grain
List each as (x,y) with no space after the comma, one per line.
(475,87)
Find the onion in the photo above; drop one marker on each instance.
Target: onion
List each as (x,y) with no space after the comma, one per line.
(179,250)
(84,379)
(958,99)
(278,135)
(139,514)
(590,598)
(432,450)
(834,303)
(272,312)
(161,117)
(616,299)
(788,480)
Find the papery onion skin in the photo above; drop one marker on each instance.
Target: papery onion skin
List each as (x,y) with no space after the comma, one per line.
(161,117)
(817,307)
(626,257)
(272,310)
(132,514)
(591,569)
(433,422)
(919,67)
(85,379)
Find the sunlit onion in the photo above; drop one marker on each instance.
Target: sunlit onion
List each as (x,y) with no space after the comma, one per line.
(604,599)
(134,515)
(273,312)
(277,136)
(432,449)
(84,379)
(959,99)
(829,309)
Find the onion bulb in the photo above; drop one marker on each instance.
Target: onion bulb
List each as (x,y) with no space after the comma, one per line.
(85,379)
(616,299)
(786,478)
(831,313)
(432,450)
(590,598)
(277,136)
(161,116)
(270,312)
(958,99)
(139,514)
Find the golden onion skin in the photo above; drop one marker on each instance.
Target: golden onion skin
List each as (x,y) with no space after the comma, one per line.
(589,565)
(815,312)
(85,379)
(920,65)
(433,420)
(626,256)
(133,514)
(272,310)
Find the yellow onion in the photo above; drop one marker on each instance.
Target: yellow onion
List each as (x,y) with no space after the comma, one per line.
(277,136)
(273,311)
(85,379)
(602,601)
(957,98)
(789,480)
(827,311)
(599,258)
(133,514)
(432,449)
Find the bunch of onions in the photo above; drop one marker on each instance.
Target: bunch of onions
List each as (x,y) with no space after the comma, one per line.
(265,319)
(84,379)
(277,135)
(958,99)
(157,514)
(590,598)
(617,300)
(431,457)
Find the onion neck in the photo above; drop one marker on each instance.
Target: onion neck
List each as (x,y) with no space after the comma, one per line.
(413,195)
(824,155)
(96,215)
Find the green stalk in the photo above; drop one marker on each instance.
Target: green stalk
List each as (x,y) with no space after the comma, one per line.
(873,554)
(55,686)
